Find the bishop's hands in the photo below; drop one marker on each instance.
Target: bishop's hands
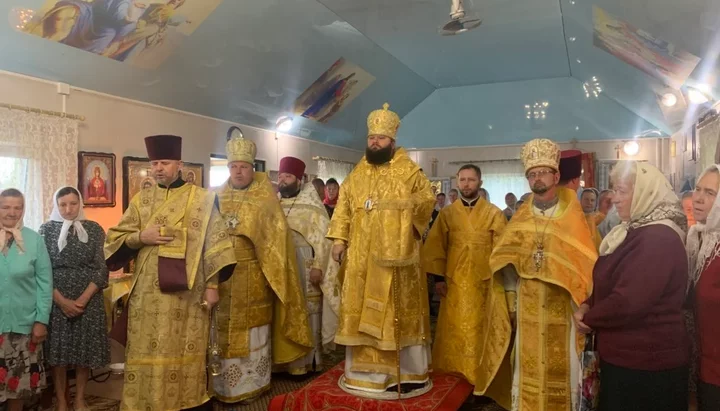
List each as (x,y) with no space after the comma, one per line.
(151,236)
(578,318)
(211,298)
(338,252)
(316,276)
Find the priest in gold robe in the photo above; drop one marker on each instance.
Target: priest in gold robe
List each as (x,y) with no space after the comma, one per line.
(262,316)
(457,253)
(309,221)
(383,208)
(175,233)
(546,254)
(570,173)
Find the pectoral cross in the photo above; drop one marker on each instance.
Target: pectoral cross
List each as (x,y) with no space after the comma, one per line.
(232,222)
(539,256)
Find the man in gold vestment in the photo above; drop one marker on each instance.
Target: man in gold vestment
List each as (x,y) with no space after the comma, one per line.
(309,221)
(457,252)
(262,316)
(176,235)
(570,173)
(546,254)
(383,208)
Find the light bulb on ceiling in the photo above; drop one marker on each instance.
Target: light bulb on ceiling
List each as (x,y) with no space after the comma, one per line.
(284,124)
(669,99)
(631,148)
(20,17)
(696,96)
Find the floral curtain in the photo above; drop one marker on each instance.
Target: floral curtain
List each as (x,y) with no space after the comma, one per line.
(39,155)
(334,169)
(708,134)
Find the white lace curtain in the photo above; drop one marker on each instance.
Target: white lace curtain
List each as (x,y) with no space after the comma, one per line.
(502,177)
(38,154)
(334,169)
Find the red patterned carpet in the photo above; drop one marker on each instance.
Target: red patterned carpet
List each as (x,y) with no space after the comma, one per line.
(448,394)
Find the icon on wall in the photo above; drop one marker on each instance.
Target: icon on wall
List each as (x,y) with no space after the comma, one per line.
(96,178)
(332,91)
(141,33)
(653,56)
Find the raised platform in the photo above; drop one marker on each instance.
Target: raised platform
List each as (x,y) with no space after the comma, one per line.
(448,393)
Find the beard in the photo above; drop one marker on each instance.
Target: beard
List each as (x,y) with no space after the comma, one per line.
(379,156)
(469,194)
(289,190)
(540,188)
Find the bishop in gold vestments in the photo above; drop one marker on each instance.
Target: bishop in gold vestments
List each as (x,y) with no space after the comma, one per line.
(262,315)
(458,249)
(383,208)
(176,235)
(309,221)
(547,255)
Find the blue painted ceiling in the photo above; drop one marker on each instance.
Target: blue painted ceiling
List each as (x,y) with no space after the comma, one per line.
(249,61)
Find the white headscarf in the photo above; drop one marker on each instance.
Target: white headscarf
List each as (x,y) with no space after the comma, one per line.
(703,238)
(79,229)
(16,232)
(653,202)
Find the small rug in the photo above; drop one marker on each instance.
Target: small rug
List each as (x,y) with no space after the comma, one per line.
(447,394)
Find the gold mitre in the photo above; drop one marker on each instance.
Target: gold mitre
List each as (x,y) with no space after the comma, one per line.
(540,152)
(241,149)
(383,122)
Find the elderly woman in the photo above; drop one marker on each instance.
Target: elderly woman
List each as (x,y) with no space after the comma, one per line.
(25,299)
(703,246)
(78,336)
(636,309)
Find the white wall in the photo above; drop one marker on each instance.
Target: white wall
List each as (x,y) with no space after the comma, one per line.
(117,125)
(653,150)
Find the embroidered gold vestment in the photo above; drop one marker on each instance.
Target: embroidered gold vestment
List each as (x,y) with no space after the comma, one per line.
(545,296)
(458,247)
(264,288)
(592,222)
(306,215)
(381,212)
(167,334)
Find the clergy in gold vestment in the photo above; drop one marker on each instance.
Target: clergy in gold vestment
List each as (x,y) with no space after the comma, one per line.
(384,206)
(309,221)
(547,255)
(262,315)
(175,233)
(457,252)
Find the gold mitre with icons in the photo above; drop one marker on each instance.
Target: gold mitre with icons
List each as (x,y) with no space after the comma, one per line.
(383,122)
(241,149)
(540,152)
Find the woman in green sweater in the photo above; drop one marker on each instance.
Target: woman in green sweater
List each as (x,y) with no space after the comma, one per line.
(25,301)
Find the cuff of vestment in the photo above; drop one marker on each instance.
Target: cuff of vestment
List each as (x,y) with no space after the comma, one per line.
(339,241)
(209,286)
(133,241)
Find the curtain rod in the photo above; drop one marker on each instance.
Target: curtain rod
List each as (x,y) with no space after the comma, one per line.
(333,160)
(482,161)
(40,111)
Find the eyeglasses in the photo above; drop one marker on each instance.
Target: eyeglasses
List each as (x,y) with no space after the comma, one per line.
(539,174)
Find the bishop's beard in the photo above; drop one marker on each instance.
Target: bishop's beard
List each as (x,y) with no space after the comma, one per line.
(380,156)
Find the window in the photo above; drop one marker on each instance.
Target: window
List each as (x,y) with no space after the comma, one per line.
(13,173)
(502,177)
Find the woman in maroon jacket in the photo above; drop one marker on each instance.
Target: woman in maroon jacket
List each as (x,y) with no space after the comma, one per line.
(703,247)
(639,288)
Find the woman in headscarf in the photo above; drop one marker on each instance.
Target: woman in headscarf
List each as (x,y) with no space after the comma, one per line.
(332,189)
(25,300)
(78,334)
(703,247)
(636,309)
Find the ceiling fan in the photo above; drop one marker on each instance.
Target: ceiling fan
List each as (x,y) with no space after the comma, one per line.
(460,21)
